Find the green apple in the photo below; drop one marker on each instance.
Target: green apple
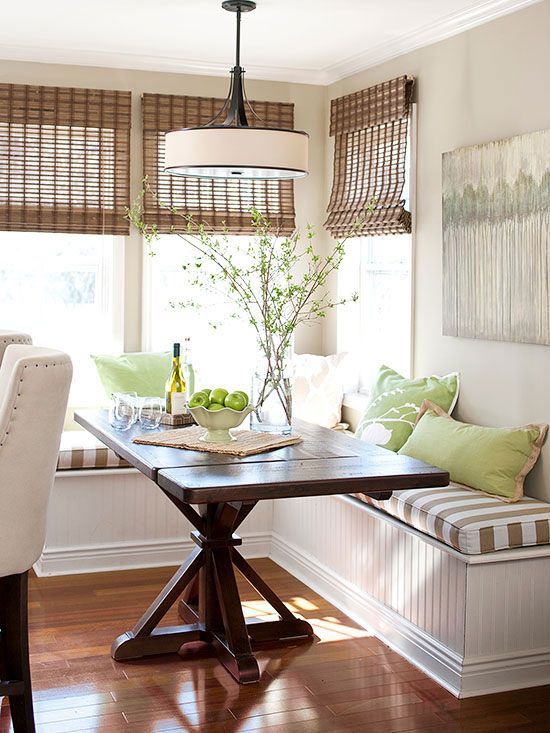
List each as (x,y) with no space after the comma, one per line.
(218,395)
(199,399)
(239,391)
(215,406)
(207,392)
(236,401)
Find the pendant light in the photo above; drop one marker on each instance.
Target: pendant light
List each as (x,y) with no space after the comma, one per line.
(228,147)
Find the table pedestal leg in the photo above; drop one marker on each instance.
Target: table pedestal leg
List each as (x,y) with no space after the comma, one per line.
(209,600)
(189,602)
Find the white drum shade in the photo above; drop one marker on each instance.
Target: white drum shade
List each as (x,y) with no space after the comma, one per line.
(236,152)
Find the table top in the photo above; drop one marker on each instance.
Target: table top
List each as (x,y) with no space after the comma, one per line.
(325,462)
(149,459)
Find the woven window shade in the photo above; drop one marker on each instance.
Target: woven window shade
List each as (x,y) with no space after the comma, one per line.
(216,203)
(64,159)
(370,147)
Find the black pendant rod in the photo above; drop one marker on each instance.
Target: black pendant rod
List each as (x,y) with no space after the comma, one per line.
(238,50)
(236,115)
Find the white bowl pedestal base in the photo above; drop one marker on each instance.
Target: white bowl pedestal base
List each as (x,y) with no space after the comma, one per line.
(217,436)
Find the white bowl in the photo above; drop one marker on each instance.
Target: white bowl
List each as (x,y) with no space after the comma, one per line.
(218,423)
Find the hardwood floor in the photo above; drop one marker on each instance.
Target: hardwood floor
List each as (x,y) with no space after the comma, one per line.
(345,681)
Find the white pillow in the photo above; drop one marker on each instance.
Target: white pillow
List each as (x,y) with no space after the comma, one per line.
(318,388)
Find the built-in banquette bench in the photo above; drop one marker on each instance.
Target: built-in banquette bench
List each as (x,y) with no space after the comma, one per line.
(454,580)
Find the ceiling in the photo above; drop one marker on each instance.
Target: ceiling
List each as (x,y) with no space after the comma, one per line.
(314,41)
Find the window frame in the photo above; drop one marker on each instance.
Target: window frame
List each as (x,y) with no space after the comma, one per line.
(118,294)
(146,298)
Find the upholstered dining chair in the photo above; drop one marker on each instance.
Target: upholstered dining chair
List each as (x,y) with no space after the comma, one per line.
(34,389)
(12,337)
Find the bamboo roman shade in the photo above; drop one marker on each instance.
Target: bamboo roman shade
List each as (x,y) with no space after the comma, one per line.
(217,203)
(370,147)
(64,159)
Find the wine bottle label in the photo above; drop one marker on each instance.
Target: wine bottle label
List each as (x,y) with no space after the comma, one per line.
(178,400)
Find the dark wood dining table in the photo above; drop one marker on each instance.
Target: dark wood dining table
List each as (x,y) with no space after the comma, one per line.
(216,493)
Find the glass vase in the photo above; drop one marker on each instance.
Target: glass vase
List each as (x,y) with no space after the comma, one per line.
(272,396)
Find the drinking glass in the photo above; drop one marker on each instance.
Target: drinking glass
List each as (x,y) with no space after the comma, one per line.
(150,412)
(124,410)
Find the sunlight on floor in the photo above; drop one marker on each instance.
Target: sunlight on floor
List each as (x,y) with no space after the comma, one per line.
(330,629)
(327,628)
(301,604)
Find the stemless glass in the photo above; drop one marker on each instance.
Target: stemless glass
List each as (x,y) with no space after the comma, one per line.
(150,412)
(124,410)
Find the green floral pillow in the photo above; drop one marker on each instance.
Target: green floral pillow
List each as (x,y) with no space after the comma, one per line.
(395,403)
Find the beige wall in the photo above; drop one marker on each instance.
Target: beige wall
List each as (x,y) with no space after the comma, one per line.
(489,83)
(310,110)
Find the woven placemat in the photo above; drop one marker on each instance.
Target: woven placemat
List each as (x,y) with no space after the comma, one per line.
(247,442)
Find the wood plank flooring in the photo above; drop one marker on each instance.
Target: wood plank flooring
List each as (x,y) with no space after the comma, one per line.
(346,681)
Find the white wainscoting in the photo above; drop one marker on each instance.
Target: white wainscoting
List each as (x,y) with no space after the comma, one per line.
(474,625)
(400,570)
(118,519)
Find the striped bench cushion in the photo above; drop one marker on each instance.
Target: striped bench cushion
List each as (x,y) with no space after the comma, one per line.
(467,520)
(80,450)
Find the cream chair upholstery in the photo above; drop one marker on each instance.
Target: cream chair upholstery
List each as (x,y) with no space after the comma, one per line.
(34,389)
(12,337)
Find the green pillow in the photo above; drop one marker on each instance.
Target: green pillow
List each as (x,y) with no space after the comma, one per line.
(493,460)
(141,372)
(395,403)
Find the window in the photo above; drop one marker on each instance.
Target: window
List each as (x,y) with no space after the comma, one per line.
(377,328)
(65,290)
(64,186)
(223,345)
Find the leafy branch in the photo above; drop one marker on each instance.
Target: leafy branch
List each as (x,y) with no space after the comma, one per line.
(278,282)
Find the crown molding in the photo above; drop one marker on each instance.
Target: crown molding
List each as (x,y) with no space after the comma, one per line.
(482,12)
(140,62)
(439,30)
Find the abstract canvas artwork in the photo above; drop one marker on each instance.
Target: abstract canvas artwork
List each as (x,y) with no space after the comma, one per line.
(496,240)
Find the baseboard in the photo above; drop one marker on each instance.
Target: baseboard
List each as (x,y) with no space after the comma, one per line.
(484,676)
(462,677)
(133,555)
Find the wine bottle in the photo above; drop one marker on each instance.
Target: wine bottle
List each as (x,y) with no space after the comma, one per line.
(175,386)
(188,370)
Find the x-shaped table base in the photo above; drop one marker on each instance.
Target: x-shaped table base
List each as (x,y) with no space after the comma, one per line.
(209,599)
